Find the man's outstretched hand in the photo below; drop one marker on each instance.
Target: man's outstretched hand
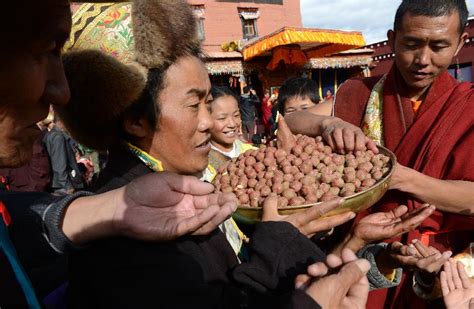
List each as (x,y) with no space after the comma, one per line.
(458,290)
(338,283)
(164,206)
(384,225)
(308,221)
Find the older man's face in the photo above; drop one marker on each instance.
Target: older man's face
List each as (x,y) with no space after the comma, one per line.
(32,78)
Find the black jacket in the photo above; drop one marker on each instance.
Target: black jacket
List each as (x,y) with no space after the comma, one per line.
(248,106)
(65,172)
(193,271)
(40,245)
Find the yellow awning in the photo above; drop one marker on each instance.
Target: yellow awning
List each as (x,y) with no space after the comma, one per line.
(314,42)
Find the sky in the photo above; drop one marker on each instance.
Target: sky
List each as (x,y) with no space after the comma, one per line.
(372,17)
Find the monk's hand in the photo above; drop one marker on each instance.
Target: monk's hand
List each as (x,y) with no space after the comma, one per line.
(344,137)
(384,225)
(164,206)
(308,221)
(339,282)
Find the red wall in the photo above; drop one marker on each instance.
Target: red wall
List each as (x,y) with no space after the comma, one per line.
(222,21)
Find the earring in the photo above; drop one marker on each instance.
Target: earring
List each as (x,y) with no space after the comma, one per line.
(458,71)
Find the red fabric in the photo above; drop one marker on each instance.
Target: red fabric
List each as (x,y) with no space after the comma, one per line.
(288,55)
(266,113)
(439,142)
(4,214)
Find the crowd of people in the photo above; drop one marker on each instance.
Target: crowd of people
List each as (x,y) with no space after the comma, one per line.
(58,165)
(148,231)
(259,116)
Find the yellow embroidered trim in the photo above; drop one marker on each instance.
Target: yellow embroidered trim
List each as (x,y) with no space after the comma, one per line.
(372,125)
(241,234)
(390,277)
(154,164)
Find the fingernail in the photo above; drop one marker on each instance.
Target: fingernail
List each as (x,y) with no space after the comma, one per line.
(447,254)
(299,285)
(414,241)
(352,216)
(411,250)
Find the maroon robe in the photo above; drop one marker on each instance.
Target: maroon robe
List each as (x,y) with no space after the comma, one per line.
(438,141)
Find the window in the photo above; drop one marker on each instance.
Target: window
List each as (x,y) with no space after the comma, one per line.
(249,18)
(200,28)
(250,29)
(198,11)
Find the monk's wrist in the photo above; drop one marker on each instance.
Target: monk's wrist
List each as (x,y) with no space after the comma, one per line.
(405,179)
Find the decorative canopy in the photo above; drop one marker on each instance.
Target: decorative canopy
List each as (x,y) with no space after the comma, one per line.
(225,67)
(338,62)
(314,43)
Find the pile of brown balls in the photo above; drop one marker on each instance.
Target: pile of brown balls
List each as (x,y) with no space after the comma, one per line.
(310,173)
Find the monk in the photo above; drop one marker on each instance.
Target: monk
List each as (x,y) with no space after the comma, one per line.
(422,114)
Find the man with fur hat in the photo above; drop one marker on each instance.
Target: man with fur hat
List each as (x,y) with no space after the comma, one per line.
(167,128)
(42,227)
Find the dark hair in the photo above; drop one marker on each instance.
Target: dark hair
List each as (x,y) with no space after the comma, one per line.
(147,107)
(247,89)
(297,87)
(219,91)
(432,8)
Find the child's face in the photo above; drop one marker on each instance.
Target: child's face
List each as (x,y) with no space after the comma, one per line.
(296,104)
(226,117)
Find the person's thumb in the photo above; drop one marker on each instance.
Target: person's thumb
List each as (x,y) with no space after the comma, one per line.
(270,209)
(352,272)
(187,184)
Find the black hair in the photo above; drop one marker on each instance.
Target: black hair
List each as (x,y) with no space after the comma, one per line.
(297,87)
(432,8)
(219,91)
(147,106)
(247,89)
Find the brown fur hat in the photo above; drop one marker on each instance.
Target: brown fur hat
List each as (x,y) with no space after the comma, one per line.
(101,89)
(164,30)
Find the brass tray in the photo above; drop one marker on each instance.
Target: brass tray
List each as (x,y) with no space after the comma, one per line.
(356,203)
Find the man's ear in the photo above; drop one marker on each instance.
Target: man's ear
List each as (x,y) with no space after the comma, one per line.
(462,40)
(136,127)
(391,39)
